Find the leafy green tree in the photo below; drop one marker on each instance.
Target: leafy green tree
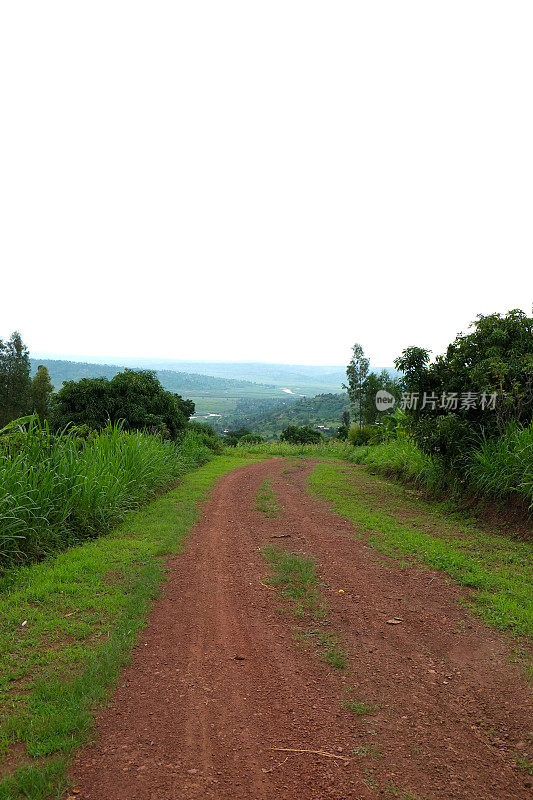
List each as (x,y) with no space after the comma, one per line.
(15,381)
(300,435)
(356,372)
(344,427)
(413,363)
(41,392)
(374,383)
(134,397)
(342,432)
(496,357)
(368,434)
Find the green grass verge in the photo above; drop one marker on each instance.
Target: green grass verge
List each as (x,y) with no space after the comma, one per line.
(296,578)
(68,625)
(498,568)
(266,502)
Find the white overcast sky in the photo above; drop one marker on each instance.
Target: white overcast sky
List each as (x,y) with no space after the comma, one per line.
(266,181)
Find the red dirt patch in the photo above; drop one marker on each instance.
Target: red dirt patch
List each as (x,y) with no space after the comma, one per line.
(216,683)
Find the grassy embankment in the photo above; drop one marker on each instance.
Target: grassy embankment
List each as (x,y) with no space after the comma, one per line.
(500,469)
(68,624)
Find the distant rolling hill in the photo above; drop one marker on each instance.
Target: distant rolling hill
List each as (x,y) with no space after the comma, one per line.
(181,382)
(294,376)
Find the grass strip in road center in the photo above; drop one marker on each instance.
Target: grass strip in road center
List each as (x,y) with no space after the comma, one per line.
(296,578)
(266,502)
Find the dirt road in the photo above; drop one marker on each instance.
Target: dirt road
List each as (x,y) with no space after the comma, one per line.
(217,683)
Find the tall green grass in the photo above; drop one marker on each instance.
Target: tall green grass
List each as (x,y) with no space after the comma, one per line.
(403,459)
(56,490)
(503,467)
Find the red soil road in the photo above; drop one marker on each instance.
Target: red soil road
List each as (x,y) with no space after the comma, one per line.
(217,682)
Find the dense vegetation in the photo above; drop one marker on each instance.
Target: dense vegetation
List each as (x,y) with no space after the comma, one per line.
(57,489)
(501,468)
(465,423)
(483,382)
(460,425)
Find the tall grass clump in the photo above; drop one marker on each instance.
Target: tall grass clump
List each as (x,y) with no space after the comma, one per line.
(58,489)
(503,468)
(402,458)
(500,468)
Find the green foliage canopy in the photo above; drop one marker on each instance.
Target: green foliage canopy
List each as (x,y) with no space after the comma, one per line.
(41,392)
(15,381)
(135,397)
(494,358)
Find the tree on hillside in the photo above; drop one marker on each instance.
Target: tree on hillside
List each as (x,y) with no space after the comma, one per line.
(356,372)
(14,379)
(344,427)
(134,396)
(41,392)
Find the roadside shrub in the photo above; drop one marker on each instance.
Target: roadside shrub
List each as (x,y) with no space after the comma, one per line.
(500,468)
(451,438)
(403,459)
(250,438)
(342,432)
(300,435)
(207,434)
(368,434)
